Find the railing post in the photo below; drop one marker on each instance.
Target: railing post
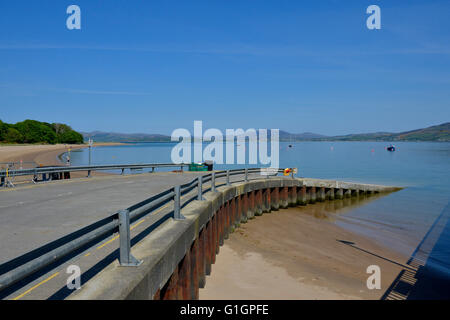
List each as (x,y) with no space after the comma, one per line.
(176,205)
(199,188)
(246,174)
(213,181)
(126,259)
(228,177)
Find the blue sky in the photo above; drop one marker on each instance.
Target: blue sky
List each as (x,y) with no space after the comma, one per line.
(154,66)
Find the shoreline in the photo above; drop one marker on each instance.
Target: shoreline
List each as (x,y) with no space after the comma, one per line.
(314,259)
(37,155)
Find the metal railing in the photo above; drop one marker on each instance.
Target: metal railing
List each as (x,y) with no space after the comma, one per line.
(62,169)
(7,176)
(32,262)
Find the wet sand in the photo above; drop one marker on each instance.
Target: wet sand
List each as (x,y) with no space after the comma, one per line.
(296,254)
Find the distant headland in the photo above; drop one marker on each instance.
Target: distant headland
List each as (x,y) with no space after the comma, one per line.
(434,133)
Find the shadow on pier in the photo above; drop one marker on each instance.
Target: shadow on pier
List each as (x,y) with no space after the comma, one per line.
(427,276)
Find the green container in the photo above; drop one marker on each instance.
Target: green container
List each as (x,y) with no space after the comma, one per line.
(197,167)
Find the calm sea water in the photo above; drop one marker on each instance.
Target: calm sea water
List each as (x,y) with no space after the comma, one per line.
(402,220)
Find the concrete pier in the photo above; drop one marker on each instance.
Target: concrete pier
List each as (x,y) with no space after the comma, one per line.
(259,203)
(203,260)
(292,196)
(321,196)
(330,194)
(312,195)
(348,193)
(275,198)
(284,197)
(339,194)
(251,205)
(178,256)
(266,208)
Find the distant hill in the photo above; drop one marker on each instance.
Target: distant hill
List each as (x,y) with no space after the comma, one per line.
(100,136)
(124,137)
(287,136)
(434,133)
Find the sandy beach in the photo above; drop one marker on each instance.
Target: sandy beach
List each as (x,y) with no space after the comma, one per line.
(35,155)
(292,254)
(41,155)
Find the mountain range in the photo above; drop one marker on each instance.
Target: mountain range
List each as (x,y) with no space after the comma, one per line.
(434,133)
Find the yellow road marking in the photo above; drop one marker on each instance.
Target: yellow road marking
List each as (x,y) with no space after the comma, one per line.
(87,254)
(136,224)
(109,241)
(131,228)
(116,237)
(32,288)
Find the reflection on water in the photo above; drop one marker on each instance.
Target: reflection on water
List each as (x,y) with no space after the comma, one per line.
(327,210)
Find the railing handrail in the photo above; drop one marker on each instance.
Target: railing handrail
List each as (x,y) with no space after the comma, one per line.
(63,168)
(30,263)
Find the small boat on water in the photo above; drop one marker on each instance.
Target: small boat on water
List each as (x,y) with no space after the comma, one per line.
(391,148)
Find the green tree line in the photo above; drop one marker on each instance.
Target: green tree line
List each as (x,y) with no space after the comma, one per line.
(32,131)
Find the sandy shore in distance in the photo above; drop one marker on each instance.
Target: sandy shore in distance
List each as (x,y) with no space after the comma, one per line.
(292,254)
(42,155)
(39,154)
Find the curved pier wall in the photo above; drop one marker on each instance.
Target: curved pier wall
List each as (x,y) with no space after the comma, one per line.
(178,255)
